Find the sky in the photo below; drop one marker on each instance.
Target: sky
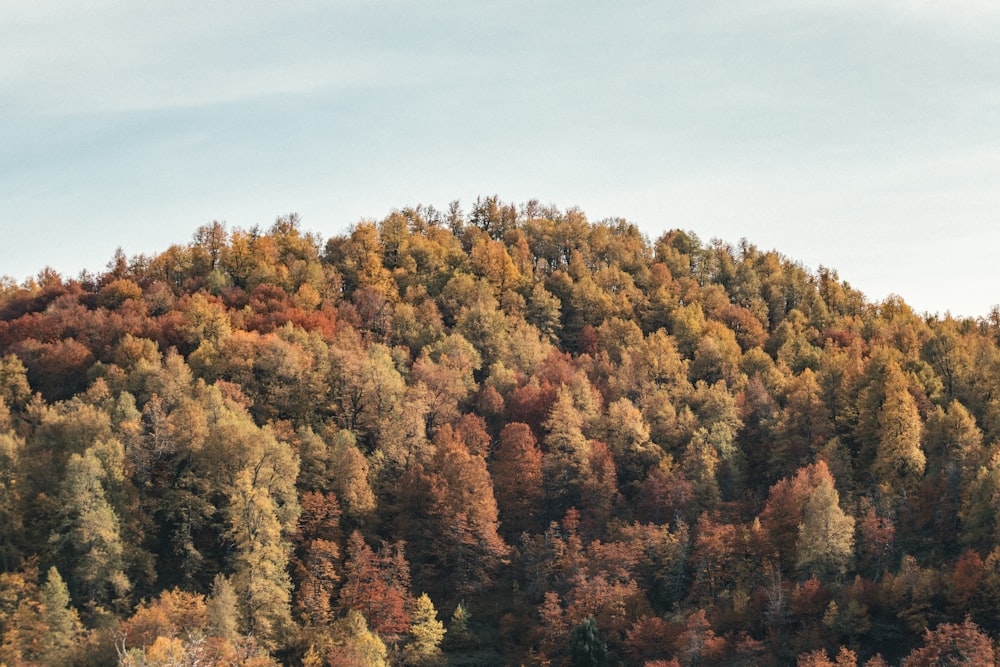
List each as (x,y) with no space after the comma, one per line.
(860,135)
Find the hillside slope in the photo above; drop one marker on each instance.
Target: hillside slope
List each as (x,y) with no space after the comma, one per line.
(509,437)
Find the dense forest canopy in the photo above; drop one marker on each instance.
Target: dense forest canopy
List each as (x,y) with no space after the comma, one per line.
(508,436)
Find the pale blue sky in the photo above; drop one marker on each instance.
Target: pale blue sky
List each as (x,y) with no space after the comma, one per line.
(863,135)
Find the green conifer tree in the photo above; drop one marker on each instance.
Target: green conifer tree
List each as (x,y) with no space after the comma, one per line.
(586,647)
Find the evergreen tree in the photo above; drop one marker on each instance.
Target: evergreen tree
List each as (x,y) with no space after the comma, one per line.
(804,424)
(317,557)
(627,436)
(586,647)
(458,635)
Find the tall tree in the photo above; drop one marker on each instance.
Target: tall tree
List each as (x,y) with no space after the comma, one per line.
(826,535)
(803,426)
(627,435)
(899,459)
(11,515)
(348,471)
(317,557)
(222,609)
(517,480)
(426,634)
(62,625)
(260,570)
(89,535)
(699,465)
(256,474)
(586,647)
(449,511)
(566,455)
(377,590)
(783,517)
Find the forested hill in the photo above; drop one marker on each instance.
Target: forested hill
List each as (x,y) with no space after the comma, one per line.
(507,437)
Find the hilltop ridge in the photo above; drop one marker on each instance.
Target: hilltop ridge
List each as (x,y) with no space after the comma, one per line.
(507,436)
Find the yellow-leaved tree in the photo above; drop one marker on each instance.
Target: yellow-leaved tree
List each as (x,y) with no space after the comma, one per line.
(826,534)
(426,634)
(899,459)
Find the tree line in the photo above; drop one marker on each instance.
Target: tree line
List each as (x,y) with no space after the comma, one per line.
(504,436)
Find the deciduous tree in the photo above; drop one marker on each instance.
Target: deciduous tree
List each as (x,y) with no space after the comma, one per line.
(825,542)
(899,459)
(426,633)
(377,588)
(517,480)
(953,644)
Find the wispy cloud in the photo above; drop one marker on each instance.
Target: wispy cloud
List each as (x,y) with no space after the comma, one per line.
(117,56)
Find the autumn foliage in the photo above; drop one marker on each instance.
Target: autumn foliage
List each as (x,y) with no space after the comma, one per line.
(580,445)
